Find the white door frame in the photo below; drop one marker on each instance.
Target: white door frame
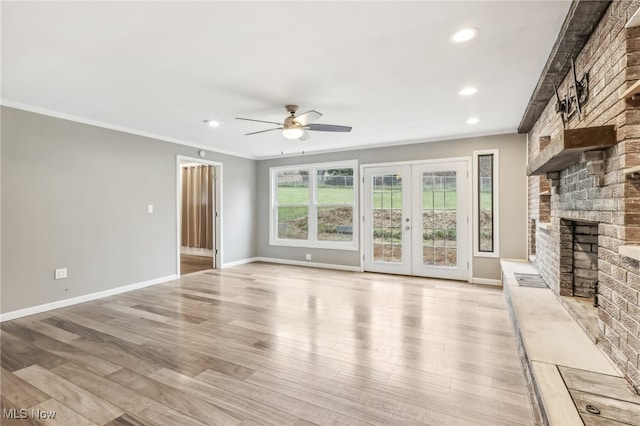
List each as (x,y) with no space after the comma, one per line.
(217,209)
(410,162)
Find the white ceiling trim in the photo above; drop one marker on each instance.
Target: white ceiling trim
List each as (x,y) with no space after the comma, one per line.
(398,143)
(77,119)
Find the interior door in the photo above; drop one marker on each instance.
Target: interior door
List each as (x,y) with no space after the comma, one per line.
(387,219)
(416,219)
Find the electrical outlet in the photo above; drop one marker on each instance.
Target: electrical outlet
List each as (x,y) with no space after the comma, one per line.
(60,274)
(150,208)
(308,256)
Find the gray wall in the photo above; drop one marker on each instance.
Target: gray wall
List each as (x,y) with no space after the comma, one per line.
(513,195)
(76,196)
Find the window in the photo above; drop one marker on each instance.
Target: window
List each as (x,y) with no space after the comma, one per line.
(485,190)
(314,205)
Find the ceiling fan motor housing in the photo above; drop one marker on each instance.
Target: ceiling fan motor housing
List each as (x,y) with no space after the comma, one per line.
(290,122)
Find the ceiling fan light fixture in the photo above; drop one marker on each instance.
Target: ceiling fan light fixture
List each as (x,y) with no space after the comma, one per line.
(293,133)
(463,35)
(213,123)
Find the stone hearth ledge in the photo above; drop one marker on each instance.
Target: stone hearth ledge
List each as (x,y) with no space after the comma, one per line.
(548,337)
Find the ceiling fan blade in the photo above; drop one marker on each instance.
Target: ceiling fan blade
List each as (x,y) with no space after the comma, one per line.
(259,121)
(308,117)
(305,136)
(262,131)
(328,128)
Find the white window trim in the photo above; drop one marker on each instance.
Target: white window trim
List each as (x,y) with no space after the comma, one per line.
(496,204)
(312,241)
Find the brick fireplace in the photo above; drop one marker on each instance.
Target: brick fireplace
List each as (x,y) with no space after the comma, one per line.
(584,188)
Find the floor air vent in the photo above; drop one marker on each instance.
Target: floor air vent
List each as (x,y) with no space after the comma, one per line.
(530,280)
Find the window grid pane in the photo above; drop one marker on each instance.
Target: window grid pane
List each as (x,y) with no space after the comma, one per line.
(485,203)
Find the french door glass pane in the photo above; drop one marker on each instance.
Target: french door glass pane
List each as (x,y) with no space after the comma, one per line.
(387,218)
(439,201)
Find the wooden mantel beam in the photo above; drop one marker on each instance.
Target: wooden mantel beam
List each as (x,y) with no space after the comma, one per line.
(566,150)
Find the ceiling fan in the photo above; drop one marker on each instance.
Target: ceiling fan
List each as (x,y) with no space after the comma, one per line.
(295,127)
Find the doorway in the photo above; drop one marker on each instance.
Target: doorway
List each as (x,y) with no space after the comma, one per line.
(416,219)
(198,217)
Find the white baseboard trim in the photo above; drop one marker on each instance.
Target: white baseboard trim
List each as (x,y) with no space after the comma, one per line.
(240,262)
(85,298)
(486,281)
(309,264)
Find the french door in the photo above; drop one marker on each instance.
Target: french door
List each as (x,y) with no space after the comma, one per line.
(416,219)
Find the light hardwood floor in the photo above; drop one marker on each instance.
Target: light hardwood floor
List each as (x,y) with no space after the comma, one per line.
(272,345)
(190,263)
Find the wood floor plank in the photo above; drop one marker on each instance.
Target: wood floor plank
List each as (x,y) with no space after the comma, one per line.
(18,392)
(63,350)
(228,383)
(275,345)
(124,398)
(105,327)
(128,420)
(600,384)
(74,397)
(53,413)
(431,404)
(344,406)
(169,313)
(12,414)
(192,263)
(17,354)
(47,329)
(236,404)
(171,397)
(610,408)
(129,313)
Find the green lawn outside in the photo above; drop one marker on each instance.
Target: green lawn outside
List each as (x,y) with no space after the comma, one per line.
(381,200)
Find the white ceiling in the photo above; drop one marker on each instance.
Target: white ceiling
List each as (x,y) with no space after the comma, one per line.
(385,68)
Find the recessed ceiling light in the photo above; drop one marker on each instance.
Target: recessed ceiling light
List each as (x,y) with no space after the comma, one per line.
(213,123)
(473,120)
(463,35)
(468,91)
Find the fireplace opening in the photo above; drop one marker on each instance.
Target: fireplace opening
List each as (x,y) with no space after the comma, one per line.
(579,273)
(579,259)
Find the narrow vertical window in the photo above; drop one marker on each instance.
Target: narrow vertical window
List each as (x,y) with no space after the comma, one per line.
(485,203)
